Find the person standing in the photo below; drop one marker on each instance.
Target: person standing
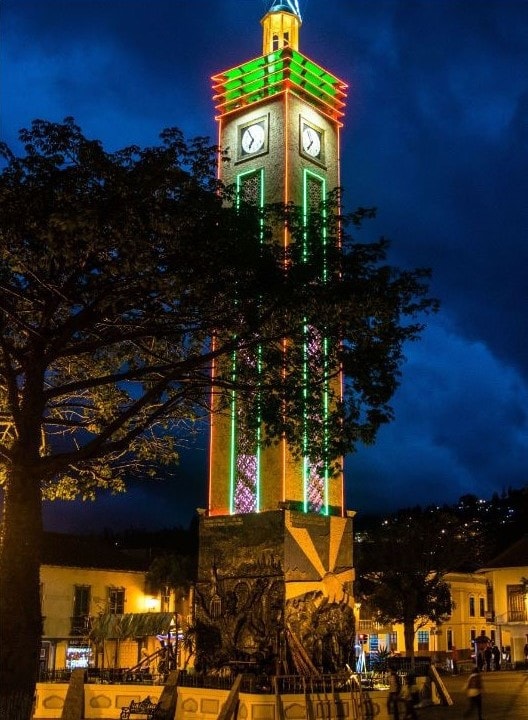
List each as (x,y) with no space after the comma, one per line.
(487,657)
(454,660)
(408,694)
(496,657)
(474,694)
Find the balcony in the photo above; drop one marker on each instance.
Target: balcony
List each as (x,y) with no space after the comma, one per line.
(80,625)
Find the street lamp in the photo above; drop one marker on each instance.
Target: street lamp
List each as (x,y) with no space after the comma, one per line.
(359,647)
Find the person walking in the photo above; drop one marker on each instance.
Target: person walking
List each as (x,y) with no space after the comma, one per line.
(394,694)
(474,694)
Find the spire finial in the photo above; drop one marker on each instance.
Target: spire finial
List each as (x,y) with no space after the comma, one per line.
(291,6)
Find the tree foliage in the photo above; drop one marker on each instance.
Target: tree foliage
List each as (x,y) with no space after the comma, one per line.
(402,564)
(171,572)
(123,277)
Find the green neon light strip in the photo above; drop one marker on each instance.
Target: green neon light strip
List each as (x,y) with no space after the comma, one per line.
(270,74)
(306,463)
(285,54)
(257,75)
(259,358)
(274,80)
(276,72)
(233,444)
(317,70)
(259,432)
(232,448)
(246,67)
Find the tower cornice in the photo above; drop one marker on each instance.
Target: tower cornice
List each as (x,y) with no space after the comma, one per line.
(269,75)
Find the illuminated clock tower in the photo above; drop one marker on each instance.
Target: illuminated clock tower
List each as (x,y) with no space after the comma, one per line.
(275,566)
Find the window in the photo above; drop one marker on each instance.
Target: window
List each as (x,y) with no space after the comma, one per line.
(373,643)
(482,607)
(473,635)
(449,639)
(516,606)
(116,601)
(275,42)
(81,600)
(423,640)
(165,599)
(393,642)
(81,610)
(471,606)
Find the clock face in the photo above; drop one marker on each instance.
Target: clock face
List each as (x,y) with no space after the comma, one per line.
(311,141)
(253,138)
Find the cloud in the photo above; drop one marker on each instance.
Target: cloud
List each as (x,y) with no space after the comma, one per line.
(461,427)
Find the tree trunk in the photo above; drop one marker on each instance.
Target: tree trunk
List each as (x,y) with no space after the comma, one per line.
(20,612)
(408,633)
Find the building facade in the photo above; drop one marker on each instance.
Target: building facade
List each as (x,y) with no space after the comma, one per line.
(491,603)
(507,579)
(100,612)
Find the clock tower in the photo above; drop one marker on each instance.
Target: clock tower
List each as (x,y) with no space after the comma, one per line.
(275,567)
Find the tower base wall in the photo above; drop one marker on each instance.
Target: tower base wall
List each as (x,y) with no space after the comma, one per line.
(274,590)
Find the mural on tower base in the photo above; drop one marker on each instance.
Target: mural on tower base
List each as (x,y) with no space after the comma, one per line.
(274,590)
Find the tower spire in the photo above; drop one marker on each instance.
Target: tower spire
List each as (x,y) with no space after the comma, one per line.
(281,26)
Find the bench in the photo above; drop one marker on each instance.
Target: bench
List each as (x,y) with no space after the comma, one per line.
(142,707)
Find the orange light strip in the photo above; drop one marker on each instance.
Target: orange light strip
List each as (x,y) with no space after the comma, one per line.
(212,401)
(341,378)
(327,110)
(211,434)
(241,99)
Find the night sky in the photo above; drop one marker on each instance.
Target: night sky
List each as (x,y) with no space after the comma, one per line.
(436,137)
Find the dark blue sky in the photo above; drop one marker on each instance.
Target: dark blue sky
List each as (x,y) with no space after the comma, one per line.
(436,137)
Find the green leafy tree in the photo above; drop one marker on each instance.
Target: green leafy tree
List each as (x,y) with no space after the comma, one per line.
(170,572)
(402,563)
(123,277)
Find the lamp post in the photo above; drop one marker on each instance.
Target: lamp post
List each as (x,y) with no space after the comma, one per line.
(435,632)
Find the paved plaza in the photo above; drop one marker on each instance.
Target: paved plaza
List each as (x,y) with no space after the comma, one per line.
(505,697)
